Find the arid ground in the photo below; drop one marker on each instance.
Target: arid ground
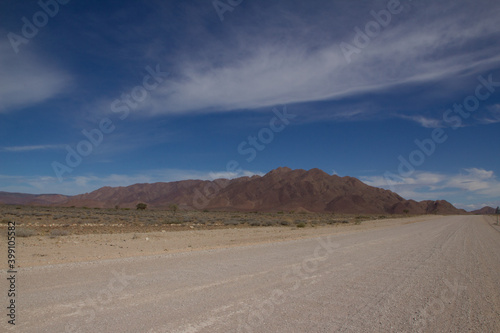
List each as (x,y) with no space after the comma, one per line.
(302,272)
(49,235)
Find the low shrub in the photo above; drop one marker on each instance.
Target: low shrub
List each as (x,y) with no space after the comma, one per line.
(57,233)
(231,222)
(25,232)
(174,221)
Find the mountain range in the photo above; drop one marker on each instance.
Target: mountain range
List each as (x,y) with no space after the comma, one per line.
(282,189)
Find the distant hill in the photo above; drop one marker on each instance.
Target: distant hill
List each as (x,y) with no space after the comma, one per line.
(31,199)
(281,189)
(484,211)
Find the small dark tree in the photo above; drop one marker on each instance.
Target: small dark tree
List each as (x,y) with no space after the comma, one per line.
(173,207)
(406,211)
(141,206)
(498,210)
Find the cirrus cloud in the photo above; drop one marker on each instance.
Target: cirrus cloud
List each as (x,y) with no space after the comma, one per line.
(26,79)
(475,184)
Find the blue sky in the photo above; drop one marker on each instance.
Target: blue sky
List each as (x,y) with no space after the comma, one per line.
(403,95)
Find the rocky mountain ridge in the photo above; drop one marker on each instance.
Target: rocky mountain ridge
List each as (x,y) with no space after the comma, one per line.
(282,189)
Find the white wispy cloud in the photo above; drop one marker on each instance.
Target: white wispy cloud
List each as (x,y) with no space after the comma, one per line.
(479,205)
(475,180)
(269,70)
(26,79)
(471,185)
(31,148)
(424,121)
(492,116)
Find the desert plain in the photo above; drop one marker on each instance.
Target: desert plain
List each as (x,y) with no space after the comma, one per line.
(112,270)
(55,235)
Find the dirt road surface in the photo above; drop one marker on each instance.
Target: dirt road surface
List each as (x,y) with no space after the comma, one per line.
(441,275)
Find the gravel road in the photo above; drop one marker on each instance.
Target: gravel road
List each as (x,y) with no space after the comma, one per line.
(441,275)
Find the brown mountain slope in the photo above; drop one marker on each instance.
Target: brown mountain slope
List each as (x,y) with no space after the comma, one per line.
(155,195)
(485,211)
(280,189)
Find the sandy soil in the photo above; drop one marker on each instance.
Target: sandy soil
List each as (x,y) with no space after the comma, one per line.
(438,275)
(44,250)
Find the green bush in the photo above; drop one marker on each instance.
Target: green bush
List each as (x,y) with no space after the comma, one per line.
(141,206)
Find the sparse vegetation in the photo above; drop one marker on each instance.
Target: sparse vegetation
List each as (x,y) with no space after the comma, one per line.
(57,232)
(231,222)
(25,232)
(79,220)
(173,208)
(141,206)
